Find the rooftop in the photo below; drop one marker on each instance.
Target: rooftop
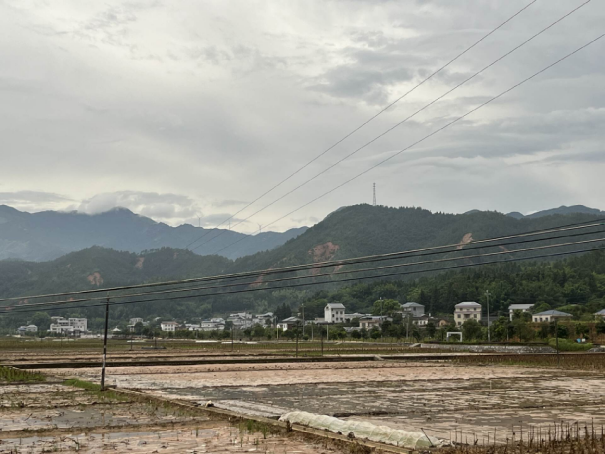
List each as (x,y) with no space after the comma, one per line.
(335,305)
(514,307)
(601,312)
(554,312)
(468,304)
(412,305)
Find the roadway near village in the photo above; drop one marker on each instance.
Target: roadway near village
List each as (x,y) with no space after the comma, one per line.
(243,401)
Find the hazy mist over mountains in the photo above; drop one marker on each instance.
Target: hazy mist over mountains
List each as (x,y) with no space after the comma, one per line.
(50,234)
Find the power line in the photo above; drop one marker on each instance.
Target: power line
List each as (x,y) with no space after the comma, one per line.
(558,254)
(356,260)
(398,124)
(369,120)
(313,276)
(294,278)
(239,284)
(437,131)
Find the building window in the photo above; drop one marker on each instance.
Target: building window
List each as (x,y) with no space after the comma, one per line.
(475,315)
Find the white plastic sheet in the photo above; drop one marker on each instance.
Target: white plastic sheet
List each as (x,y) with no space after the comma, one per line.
(363,430)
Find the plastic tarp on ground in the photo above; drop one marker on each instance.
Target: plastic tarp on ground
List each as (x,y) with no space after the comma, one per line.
(363,430)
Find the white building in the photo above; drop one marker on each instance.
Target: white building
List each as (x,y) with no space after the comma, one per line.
(549,316)
(370,321)
(68,326)
(601,313)
(241,320)
(169,326)
(289,323)
(79,324)
(415,309)
(334,313)
(518,307)
(466,311)
(213,325)
(135,320)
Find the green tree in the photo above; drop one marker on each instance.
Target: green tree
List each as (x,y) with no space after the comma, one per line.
(41,320)
(471,330)
(385,307)
(431,329)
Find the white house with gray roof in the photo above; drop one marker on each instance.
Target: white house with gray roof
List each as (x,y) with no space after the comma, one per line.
(466,311)
(334,313)
(601,313)
(518,307)
(549,316)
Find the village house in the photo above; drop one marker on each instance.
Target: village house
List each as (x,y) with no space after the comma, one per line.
(466,311)
(289,323)
(600,314)
(518,307)
(370,321)
(334,313)
(27,329)
(551,315)
(414,309)
(169,326)
(68,326)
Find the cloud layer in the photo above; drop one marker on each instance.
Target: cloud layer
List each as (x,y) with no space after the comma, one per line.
(180,110)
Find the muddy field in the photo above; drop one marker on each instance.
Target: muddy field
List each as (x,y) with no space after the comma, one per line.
(53,417)
(461,403)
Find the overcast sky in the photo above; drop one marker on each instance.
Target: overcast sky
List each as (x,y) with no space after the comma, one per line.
(179,109)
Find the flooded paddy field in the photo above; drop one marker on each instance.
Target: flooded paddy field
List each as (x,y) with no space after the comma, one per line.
(464,403)
(57,417)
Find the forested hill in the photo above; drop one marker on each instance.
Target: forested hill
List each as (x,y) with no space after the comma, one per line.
(349,232)
(365,230)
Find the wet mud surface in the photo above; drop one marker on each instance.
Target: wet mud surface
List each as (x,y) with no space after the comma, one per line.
(37,418)
(464,403)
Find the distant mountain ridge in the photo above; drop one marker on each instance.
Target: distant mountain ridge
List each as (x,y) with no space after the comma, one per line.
(48,235)
(352,231)
(561,210)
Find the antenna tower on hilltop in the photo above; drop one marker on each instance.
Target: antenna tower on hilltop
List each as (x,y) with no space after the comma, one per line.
(374,202)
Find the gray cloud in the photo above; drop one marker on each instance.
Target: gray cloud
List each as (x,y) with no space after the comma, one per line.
(177,110)
(32,197)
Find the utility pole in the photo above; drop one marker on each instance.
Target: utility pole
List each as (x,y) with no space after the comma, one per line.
(321,333)
(303,318)
(297,339)
(276,329)
(557,340)
(232,335)
(489,337)
(105,345)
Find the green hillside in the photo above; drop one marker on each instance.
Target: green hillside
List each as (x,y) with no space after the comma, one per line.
(349,232)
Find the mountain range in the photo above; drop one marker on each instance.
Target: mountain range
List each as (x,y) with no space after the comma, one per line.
(348,232)
(48,235)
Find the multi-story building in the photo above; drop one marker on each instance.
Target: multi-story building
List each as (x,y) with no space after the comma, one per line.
(241,320)
(414,309)
(468,310)
(334,313)
(68,326)
(169,326)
